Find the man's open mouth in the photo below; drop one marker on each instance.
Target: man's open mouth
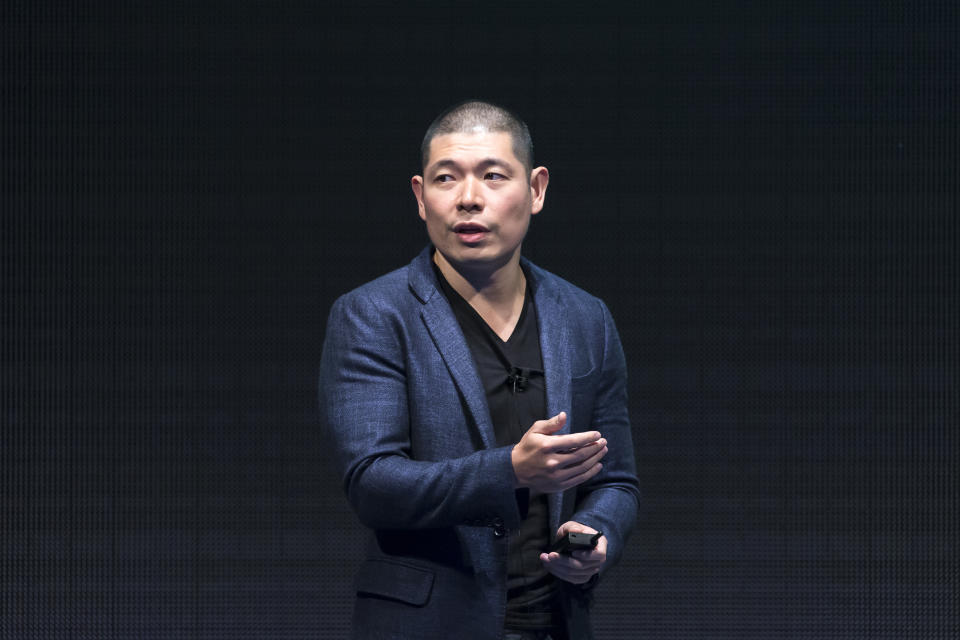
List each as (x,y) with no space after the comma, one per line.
(469,229)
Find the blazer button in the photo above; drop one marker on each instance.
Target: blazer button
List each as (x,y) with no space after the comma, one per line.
(499,530)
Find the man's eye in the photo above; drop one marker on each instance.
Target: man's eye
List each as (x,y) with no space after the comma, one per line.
(444,177)
(493,175)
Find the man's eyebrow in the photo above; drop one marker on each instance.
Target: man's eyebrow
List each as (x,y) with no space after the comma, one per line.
(486,162)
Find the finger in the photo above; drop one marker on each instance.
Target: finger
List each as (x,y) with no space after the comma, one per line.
(550,426)
(561,567)
(551,561)
(590,559)
(560,562)
(583,454)
(576,469)
(583,565)
(569,564)
(572,526)
(573,481)
(570,443)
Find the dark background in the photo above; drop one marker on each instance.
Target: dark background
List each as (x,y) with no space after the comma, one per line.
(766,198)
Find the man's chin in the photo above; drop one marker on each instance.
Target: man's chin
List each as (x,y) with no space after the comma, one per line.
(477,261)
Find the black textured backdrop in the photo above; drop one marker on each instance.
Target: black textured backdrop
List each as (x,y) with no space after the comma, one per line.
(766,197)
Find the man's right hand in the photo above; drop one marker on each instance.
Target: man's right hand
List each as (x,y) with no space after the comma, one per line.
(546,463)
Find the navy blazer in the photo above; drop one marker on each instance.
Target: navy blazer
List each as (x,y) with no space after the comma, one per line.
(405,412)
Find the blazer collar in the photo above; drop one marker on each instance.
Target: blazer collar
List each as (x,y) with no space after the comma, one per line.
(423,283)
(420,276)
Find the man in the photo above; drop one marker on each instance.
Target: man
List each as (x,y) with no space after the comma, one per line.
(477,409)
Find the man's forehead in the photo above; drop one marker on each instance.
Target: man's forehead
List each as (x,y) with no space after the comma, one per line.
(478,142)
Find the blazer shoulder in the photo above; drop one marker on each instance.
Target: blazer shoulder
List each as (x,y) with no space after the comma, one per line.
(388,291)
(568,294)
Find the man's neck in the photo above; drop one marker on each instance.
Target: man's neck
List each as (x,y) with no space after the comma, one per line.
(496,293)
(496,285)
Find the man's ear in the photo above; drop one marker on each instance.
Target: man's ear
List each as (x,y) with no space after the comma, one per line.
(539,178)
(416,183)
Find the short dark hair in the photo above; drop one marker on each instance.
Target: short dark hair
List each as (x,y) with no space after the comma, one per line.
(464,116)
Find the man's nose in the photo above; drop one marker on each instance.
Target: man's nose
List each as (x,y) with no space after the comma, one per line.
(470,197)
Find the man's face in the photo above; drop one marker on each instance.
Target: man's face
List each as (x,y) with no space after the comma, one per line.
(477,198)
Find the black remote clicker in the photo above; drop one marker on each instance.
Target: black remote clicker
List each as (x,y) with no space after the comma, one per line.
(574,541)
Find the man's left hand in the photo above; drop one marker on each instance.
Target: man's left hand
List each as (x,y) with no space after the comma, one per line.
(579,566)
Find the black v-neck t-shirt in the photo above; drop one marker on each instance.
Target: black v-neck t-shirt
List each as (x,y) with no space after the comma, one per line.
(511,372)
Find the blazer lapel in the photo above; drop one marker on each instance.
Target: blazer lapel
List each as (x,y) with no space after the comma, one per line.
(556,364)
(445,331)
(449,340)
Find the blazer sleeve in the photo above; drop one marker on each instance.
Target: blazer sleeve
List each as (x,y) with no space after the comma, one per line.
(609,501)
(364,411)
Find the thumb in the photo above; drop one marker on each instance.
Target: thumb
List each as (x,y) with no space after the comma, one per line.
(572,526)
(550,426)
